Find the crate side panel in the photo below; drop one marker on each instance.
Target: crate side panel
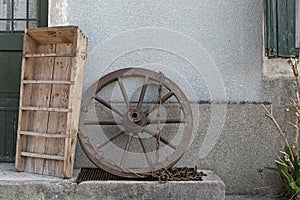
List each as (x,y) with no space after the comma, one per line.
(75,101)
(25,98)
(78,75)
(29,45)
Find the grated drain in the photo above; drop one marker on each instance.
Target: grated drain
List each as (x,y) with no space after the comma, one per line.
(97,174)
(173,174)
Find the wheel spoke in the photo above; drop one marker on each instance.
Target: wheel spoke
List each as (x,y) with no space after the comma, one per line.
(169,121)
(125,152)
(145,151)
(95,122)
(163,100)
(106,104)
(143,91)
(125,96)
(111,138)
(166,97)
(162,139)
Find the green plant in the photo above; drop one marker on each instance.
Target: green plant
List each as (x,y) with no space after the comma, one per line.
(288,164)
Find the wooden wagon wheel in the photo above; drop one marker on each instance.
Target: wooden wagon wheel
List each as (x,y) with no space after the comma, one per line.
(134,121)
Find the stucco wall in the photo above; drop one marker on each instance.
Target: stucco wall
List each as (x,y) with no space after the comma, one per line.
(183,37)
(59,13)
(213,50)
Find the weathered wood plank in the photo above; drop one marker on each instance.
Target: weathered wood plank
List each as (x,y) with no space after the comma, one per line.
(29,133)
(49,55)
(45,109)
(47,82)
(54,35)
(77,75)
(40,97)
(41,156)
(59,98)
(25,92)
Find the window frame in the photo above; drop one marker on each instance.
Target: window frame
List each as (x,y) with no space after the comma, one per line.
(42,17)
(16,37)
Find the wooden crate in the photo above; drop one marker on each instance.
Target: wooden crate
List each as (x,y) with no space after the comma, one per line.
(50,96)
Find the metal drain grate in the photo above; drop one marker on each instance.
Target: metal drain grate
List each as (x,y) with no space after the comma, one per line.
(172,174)
(97,174)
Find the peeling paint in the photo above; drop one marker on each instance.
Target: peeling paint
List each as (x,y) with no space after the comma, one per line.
(59,12)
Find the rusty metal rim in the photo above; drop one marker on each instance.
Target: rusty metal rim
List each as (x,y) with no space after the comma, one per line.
(98,160)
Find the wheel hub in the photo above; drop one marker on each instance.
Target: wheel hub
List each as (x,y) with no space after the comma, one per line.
(134,121)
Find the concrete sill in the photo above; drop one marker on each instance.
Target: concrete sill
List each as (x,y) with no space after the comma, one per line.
(21,185)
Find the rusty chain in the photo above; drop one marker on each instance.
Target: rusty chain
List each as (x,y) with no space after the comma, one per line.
(178,174)
(173,174)
(158,129)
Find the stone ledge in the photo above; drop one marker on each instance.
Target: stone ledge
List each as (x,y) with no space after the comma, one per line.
(14,185)
(211,188)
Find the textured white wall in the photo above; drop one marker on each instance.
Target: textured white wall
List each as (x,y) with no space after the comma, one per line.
(201,45)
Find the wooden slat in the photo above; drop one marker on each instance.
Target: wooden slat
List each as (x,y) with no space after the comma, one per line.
(47,135)
(47,82)
(49,55)
(45,109)
(44,156)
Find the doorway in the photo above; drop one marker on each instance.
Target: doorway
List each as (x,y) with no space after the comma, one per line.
(15,17)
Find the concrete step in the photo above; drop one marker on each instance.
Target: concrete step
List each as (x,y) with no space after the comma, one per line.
(20,185)
(255,197)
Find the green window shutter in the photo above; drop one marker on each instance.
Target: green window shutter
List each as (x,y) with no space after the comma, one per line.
(280,23)
(297,23)
(43,13)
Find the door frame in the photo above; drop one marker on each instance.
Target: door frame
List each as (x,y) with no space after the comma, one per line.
(12,44)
